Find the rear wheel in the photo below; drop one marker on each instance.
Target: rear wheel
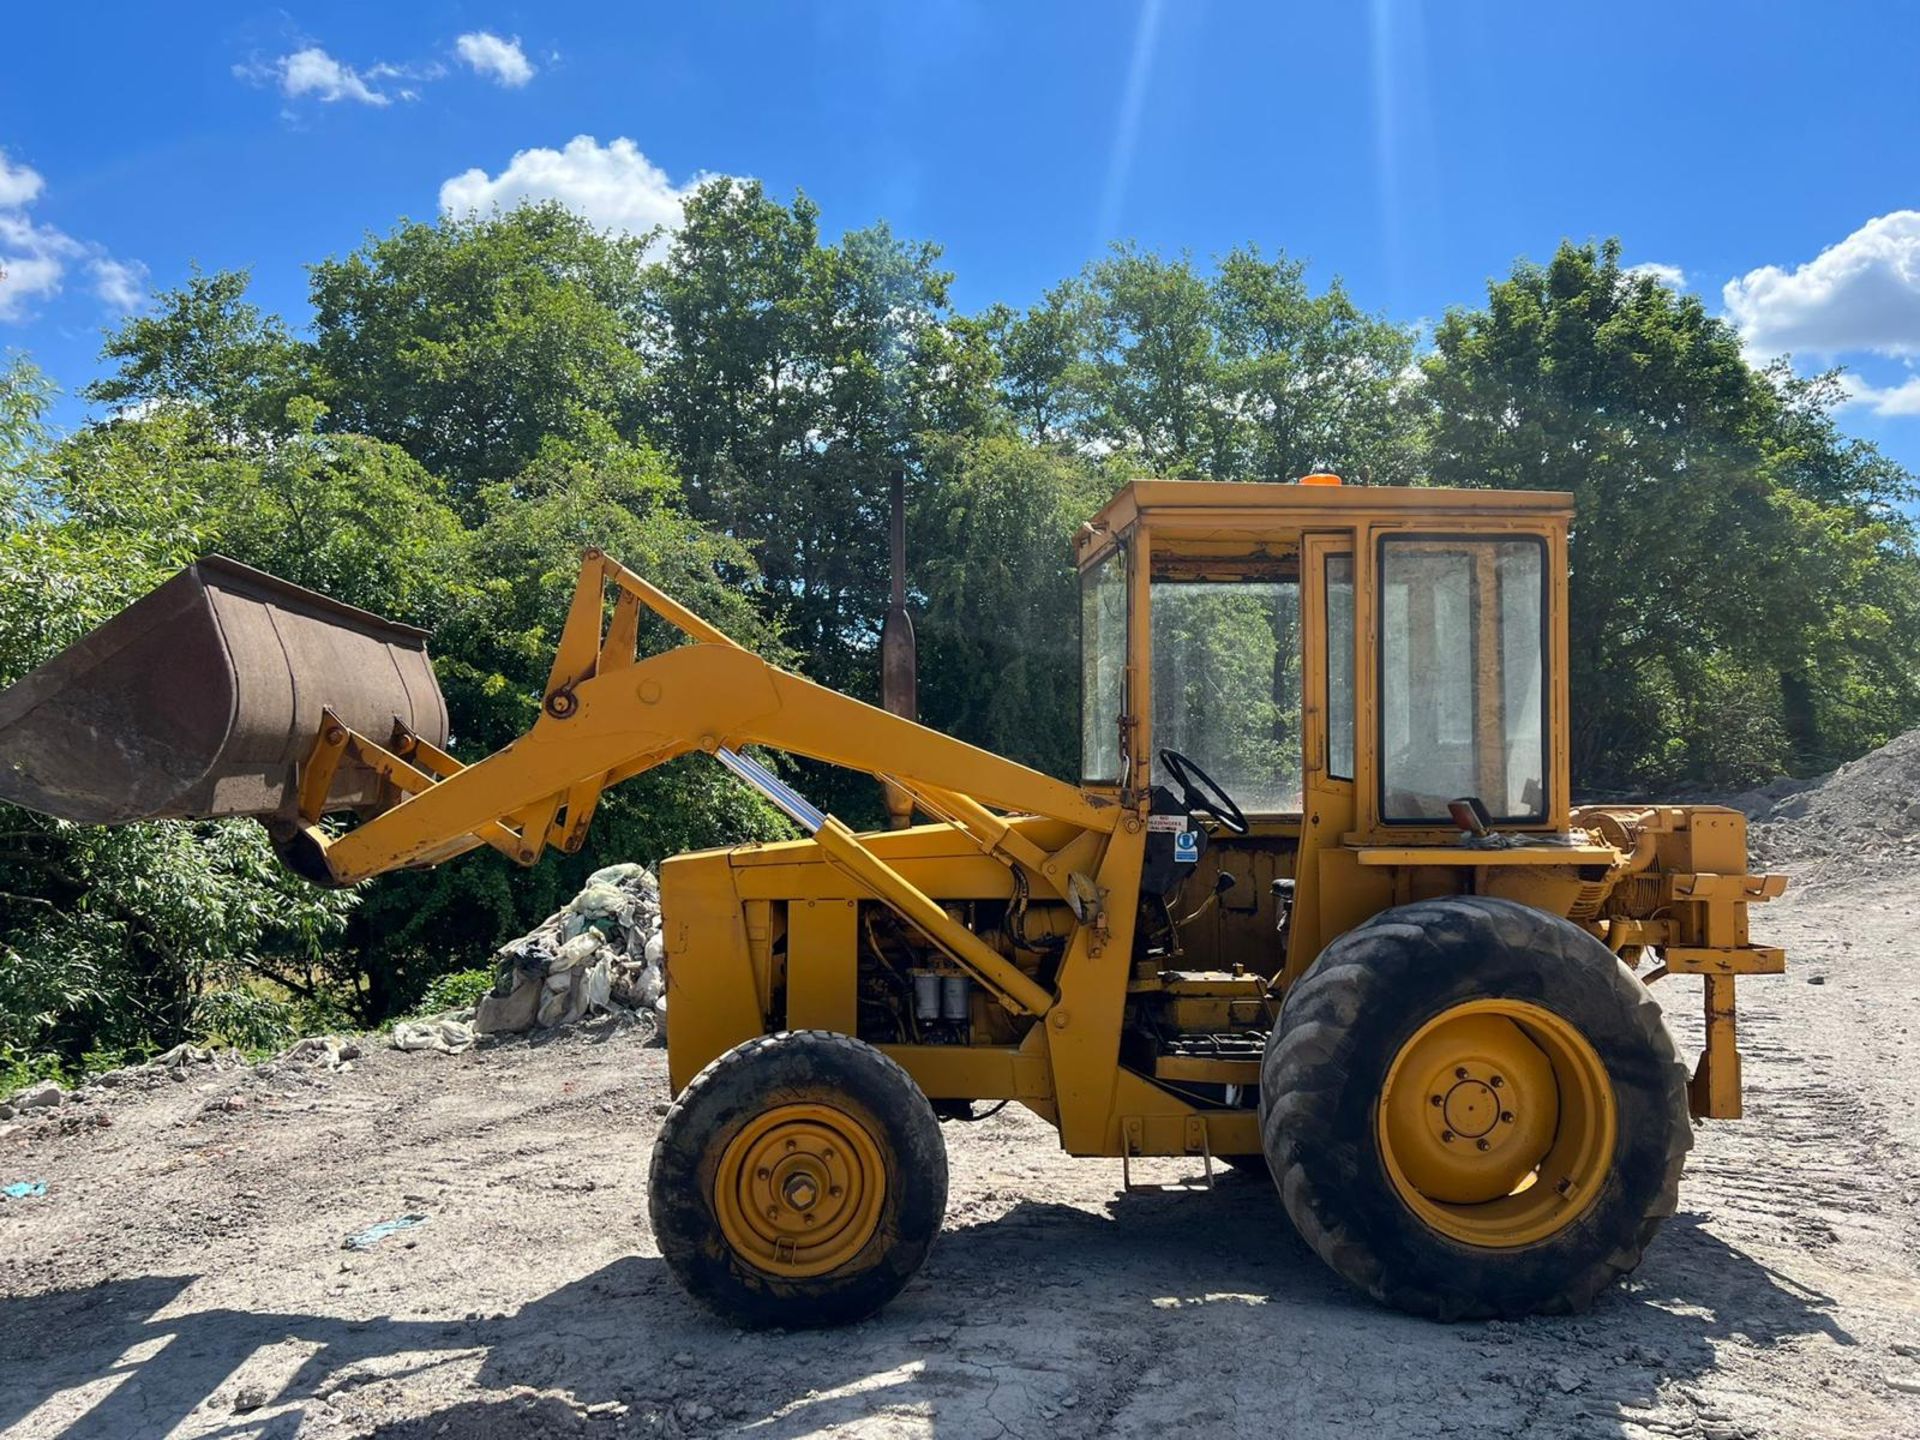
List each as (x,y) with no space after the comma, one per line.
(798,1181)
(1472,1108)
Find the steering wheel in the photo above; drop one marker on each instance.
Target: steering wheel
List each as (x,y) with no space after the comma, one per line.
(1200,791)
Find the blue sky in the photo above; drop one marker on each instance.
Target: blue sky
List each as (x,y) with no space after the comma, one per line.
(1765,154)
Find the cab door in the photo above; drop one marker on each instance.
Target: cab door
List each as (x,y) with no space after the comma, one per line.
(1328,732)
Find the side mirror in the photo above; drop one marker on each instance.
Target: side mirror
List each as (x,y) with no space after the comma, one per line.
(1471,816)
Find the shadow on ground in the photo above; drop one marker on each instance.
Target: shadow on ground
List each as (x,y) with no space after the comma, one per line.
(1048,1319)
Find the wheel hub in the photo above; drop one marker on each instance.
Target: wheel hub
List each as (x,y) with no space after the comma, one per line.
(1484,1102)
(798,1191)
(1471,1108)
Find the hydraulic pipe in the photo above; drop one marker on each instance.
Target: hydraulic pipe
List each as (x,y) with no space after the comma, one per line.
(1009,983)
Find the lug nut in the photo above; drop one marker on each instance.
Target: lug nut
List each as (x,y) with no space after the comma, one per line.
(1482,1145)
(1459,1072)
(1447,1135)
(1437,1099)
(763,1173)
(1506,1117)
(1496,1082)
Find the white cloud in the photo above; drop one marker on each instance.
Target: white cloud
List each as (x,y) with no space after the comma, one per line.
(122,284)
(1671,276)
(1887,401)
(488,54)
(1862,294)
(19,185)
(614,186)
(386,70)
(34,258)
(313,71)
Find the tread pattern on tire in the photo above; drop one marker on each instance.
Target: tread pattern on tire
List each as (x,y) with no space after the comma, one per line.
(820,1065)
(1340,1026)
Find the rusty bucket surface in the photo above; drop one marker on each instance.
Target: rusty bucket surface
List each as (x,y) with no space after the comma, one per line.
(203,698)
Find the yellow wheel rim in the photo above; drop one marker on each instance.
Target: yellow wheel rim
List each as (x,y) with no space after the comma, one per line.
(1497,1123)
(799,1190)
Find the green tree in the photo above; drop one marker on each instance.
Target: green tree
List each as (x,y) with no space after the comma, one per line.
(352,517)
(206,347)
(1241,374)
(1151,373)
(470,342)
(998,622)
(112,939)
(492,653)
(1318,383)
(1038,349)
(790,379)
(1730,555)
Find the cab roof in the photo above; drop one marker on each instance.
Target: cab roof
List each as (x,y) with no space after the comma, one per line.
(1250,505)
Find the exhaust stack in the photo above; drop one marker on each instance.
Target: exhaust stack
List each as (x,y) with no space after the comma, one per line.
(899,663)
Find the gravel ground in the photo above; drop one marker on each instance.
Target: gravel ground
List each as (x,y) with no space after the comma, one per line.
(184,1274)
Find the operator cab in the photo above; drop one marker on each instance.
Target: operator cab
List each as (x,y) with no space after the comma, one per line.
(1233,637)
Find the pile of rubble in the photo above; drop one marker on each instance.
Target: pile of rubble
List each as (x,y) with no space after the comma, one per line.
(1866,814)
(603,953)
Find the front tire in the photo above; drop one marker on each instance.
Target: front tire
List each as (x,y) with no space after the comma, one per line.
(798,1181)
(1472,1109)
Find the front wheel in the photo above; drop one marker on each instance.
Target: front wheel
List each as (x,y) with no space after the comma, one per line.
(1471,1108)
(799,1181)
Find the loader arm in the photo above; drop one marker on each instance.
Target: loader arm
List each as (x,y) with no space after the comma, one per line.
(608,715)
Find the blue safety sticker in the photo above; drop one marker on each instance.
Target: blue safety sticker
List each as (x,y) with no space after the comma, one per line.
(1186,847)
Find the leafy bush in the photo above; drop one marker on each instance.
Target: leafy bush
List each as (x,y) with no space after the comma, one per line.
(18,1069)
(247,1021)
(456,991)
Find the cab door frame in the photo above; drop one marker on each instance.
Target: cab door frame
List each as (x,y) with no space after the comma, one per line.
(1327,800)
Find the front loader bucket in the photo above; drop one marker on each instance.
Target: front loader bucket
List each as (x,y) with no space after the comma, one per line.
(203,699)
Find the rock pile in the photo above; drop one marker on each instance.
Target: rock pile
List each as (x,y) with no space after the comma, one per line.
(603,952)
(43,1096)
(1865,814)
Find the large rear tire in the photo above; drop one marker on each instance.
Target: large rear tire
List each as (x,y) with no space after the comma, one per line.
(798,1181)
(1472,1109)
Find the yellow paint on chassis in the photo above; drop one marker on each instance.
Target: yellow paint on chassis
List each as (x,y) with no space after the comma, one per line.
(1497,1123)
(799,1190)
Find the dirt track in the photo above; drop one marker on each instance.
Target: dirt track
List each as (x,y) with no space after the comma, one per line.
(186,1263)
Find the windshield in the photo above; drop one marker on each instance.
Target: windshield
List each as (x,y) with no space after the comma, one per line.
(1226,686)
(1462,677)
(1103,667)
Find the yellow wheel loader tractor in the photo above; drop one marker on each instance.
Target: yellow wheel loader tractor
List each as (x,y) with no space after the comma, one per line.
(1320,902)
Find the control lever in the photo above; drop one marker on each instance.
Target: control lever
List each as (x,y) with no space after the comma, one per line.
(1283,911)
(1222,883)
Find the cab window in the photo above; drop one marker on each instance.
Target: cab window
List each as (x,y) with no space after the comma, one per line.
(1339,667)
(1103,668)
(1462,677)
(1226,685)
